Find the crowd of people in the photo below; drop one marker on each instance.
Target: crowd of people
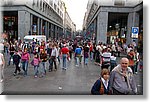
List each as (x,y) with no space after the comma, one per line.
(54,52)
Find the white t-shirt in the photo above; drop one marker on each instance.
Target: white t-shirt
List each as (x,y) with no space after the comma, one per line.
(128,49)
(54,52)
(106,56)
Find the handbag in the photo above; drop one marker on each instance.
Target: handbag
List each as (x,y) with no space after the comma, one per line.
(19,65)
(32,63)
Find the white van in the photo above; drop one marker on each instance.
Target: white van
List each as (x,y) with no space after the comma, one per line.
(29,38)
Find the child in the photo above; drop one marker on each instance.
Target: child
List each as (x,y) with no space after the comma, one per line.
(36,62)
(101,86)
(16,59)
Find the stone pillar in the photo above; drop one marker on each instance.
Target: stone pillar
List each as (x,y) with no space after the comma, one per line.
(41,25)
(31,23)
(23,24)
(54,31)
(50,30)
(47,30)
(102,23)
(136,18)
(133,21)
(38,26)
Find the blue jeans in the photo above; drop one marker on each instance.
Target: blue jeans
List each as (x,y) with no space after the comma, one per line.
(91,55)
(50,64)
(6,50)
(58,59)
(25,67)
(11,57)
(86,60)
(36,70)
(77,60)
(43,68)
(64,58)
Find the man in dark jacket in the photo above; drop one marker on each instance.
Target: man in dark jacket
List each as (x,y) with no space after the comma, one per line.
(16,61)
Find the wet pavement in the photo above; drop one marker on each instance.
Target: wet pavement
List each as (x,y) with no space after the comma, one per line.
(74,80)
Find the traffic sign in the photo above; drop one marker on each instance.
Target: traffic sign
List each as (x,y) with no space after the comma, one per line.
(135,32)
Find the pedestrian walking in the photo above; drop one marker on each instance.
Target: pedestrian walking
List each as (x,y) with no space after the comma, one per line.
(11,52)
(101,86)
(58,53)
(136,61)
(91,51)
(43,58)
(106,58)
(113,62)
(113,49)
(16,61)
(94,51)
(70,50)
(25,58)
(122,81)
(131,56)
(35,62)
(86,54)
(64,54)
(119,49)
(53,58)
(78,51)
(98,54)
(49,51)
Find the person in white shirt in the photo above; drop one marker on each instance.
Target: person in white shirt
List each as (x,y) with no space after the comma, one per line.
(113,62)
(113,48)
(136,61)
(134,43)
(128,49)
(53,58)
(98,54)
(106,58)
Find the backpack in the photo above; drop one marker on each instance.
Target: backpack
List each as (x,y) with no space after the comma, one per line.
(32,63)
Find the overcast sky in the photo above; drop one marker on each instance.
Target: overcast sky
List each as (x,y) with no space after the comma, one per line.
(76,10)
